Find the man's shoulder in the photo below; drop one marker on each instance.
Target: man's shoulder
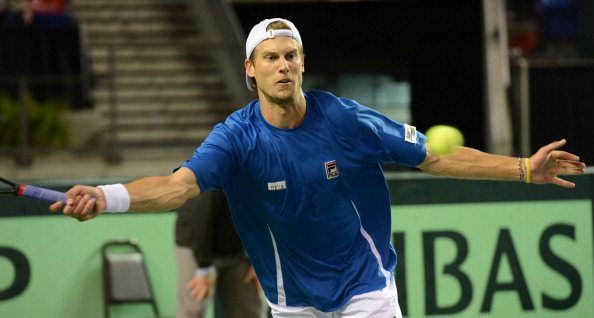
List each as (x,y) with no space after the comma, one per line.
(240,119)
(327,99)
(322,96)
(333,107)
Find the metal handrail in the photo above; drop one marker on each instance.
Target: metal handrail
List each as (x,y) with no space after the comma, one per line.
(221,26)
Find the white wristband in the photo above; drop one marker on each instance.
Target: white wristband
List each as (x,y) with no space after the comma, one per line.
(206,271)
(117,198)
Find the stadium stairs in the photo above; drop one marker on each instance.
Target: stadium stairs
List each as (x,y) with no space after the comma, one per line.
(158,90)
(168,89)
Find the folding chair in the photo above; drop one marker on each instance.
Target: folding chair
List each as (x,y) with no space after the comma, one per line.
(125,278)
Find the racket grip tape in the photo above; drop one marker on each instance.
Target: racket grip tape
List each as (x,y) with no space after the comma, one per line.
(44,194)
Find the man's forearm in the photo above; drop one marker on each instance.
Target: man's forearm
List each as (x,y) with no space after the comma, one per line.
(469,163)
(159,193)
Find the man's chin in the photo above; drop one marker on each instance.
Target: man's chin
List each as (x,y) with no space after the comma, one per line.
(285,97)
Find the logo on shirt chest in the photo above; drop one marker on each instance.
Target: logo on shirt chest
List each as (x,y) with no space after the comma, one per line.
(278,185)
(331,169)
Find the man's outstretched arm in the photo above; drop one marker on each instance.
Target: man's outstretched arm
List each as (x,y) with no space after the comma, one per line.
(544,166)
(156,193)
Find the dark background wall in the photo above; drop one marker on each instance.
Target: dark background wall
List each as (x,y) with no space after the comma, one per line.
(435,45)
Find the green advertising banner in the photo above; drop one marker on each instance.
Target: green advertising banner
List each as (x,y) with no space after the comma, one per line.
(512,259)
(50,266)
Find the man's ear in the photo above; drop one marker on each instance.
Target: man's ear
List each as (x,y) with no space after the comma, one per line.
(303,64)
(249,68)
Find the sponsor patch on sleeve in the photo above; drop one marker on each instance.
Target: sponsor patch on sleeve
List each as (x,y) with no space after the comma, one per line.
(410,133)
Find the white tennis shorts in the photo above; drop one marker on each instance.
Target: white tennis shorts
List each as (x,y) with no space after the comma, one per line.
(377,304)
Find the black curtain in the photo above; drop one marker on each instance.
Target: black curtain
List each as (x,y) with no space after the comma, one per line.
(35,51)
(562,106)
(447,74)
(436,45)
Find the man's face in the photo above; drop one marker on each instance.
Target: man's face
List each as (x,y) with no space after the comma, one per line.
(278,68)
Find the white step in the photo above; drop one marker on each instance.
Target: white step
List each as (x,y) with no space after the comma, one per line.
(152,136)
(120,28)
(198,120)
(176,65)
(169,79)
(160,106)
(154,52)
(182,40)
(182,93)
(132,13)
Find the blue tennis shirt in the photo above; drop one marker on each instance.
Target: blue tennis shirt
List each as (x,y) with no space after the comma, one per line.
(311,204)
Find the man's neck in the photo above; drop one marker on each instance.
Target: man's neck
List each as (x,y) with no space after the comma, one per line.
(284,116)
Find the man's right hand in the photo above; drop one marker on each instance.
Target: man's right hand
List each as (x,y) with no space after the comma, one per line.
(83,203)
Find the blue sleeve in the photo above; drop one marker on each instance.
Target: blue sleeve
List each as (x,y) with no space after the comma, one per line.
(386,140)
(379,138)
(212,161)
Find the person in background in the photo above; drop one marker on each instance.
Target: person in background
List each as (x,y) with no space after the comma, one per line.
(211,259)
(4,11)
(8,16)
(47,13)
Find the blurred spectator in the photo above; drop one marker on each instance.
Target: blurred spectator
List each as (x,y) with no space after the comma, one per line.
(557,22)
(46,13)
(521,26)
(4,9)
(522,43)
(210,257)
(7,16)
(46,6)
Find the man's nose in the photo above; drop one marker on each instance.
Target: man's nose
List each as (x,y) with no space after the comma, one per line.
(284,67)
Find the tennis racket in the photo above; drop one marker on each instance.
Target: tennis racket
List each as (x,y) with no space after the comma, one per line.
(29,191)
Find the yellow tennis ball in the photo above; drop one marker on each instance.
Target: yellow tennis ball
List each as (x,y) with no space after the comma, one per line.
(443,139)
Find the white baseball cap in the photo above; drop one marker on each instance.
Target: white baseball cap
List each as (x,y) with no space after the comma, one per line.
(259,34)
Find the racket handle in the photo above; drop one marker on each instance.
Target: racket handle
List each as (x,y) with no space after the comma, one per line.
(44,194)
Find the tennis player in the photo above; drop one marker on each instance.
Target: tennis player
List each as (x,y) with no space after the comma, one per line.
(303,178)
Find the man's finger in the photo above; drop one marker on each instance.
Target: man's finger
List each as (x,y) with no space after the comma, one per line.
(56,207)
(69,207)
(554,145)
(81,205)
(564,155)
(564,183)
(570,167)
(89,206)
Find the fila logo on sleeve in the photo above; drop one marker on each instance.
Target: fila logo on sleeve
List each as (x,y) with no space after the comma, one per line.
(331,169)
